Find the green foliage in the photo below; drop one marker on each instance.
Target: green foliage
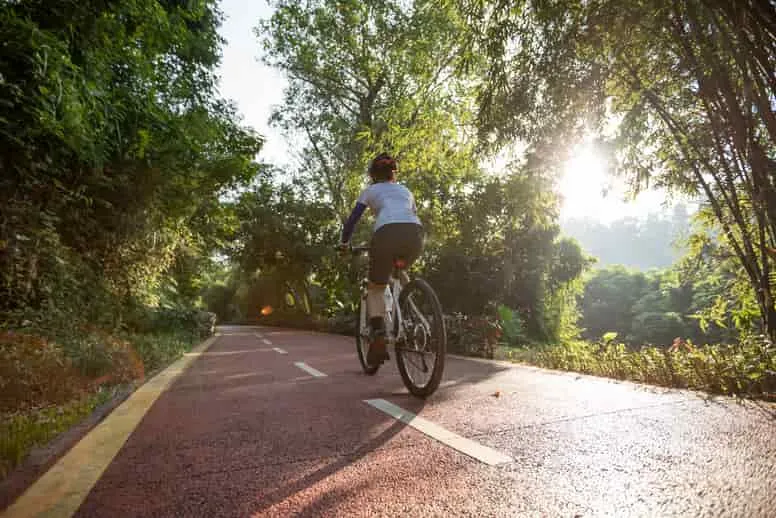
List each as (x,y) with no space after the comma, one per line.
(747,369)
(608,301)
(504,249)
(159,349)
(723,299)
(653,308)
(511,326)
(114,151)
(199,324)
(371,76)
(220,300)
(381,75)
(608,337)
(659,327)
(100,356)
(679,96)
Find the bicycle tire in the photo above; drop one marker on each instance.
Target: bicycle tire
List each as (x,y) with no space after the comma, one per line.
(370,370)
(438,332)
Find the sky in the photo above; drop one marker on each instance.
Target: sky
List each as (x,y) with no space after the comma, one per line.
(256,88)
(252,86)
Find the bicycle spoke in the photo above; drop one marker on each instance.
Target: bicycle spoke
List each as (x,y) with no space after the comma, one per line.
(418,314)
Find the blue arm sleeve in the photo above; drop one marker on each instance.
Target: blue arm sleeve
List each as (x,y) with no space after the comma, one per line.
(350,224)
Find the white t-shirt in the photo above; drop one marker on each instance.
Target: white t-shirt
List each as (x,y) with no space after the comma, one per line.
(391,203)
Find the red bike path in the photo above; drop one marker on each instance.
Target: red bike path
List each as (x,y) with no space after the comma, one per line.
(246,430)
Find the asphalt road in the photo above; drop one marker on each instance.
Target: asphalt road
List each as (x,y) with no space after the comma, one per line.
(271,422)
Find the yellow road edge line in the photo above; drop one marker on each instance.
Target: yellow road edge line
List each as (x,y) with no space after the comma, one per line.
(64,487)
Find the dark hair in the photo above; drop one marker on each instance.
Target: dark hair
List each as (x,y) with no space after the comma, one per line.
(382,168)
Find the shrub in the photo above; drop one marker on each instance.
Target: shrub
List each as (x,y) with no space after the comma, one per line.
(748,368)
(172,320)
(511,325)
(299,320)
(35,372)
(659,328)
(101,356)
(343,324)
(472,336)
(159,349)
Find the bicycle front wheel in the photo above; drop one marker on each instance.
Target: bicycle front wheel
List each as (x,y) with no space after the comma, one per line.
(421,354)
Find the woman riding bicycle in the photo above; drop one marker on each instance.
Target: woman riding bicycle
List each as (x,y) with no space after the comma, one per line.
(398,235)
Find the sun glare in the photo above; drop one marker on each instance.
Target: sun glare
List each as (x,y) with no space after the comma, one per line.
(584,181)
(589,191)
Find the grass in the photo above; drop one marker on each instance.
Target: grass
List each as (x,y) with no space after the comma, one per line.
(21,431)
(36,407)
(745,369)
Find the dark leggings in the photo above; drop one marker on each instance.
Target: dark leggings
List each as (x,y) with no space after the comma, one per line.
(390,242)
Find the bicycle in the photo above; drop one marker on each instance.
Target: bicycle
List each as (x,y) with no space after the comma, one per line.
(415,327)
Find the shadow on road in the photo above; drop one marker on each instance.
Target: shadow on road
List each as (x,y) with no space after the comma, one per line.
(459,374)
(282,493)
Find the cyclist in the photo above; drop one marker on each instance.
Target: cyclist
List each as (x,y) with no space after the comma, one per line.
(397,234)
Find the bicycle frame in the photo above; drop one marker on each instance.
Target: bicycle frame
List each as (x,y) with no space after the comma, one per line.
(395,284)
(397,321)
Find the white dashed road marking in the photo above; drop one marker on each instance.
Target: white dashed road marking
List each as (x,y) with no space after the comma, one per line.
(467,446)
(279,350)
(310,370)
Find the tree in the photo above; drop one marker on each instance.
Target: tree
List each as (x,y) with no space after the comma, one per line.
(383,75)
(367,77)
(723,303)
(285,238)
(691,85)
(505,250)
(608,302)
(113,149)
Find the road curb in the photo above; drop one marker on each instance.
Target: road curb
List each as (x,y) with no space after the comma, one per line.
(658,389)
(646,387)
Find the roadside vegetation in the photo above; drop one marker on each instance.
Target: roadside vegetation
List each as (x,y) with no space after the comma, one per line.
(746,369)
(114,150)
(135,207)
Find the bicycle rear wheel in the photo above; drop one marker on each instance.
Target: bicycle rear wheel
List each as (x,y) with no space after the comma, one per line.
(421,355)
(362,339)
